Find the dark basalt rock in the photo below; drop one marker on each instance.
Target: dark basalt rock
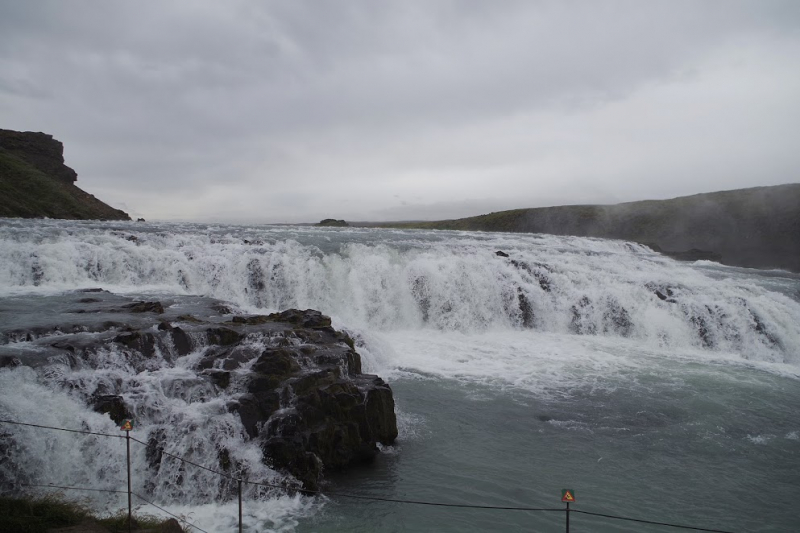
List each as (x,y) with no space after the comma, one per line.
(220,378)
(40,150)
(307,319)
(223,336)
(145,307)
(306,399)
(9,361)
(525,308)
(113,405)
(617,319)
(294,381)
(143,343)
(538,271)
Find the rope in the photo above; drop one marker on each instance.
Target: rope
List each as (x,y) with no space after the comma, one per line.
(190,462)
(63,429)
(412,502)
(51,486)
(176,517)
(440,504)
(343,494)
(648,521)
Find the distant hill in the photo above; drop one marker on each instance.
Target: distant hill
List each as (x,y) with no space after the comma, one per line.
(35,182)
(757,227)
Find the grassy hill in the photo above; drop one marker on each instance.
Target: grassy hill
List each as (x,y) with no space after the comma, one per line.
(27,192)
(757,227)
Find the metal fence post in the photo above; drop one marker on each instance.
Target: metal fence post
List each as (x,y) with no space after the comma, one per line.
(240,506)
(128,446)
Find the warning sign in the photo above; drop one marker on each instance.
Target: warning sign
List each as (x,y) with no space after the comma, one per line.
(127,425)
(567,495)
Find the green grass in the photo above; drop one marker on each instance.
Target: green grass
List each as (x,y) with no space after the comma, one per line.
(27,192)
(34,516)
(119,522)
(37,515)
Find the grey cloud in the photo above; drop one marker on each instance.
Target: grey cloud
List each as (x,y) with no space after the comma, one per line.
(270,96)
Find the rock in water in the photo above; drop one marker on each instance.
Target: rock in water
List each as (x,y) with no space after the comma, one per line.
(307,401)
(112,405)
(293,380)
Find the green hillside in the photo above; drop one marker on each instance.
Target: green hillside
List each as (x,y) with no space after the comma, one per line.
(28,192)
(757,227)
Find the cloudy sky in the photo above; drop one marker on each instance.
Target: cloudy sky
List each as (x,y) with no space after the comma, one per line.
(293,111)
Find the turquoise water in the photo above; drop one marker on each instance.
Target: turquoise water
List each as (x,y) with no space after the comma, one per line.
(714,448)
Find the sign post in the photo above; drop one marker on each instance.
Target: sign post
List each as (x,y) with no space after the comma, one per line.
(127,426)
(567,496)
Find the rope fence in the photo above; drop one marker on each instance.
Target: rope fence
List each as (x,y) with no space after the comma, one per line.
(326,493)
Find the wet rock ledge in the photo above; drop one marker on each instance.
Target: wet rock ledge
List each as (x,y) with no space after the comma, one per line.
(295,381)
(306,397)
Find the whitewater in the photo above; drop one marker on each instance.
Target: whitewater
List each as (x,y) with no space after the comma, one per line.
(521,365)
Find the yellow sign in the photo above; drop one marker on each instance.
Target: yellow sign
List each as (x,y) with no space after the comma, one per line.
(127,425)
(567,495)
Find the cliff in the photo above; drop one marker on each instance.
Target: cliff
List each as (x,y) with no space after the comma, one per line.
(35,182)
(757,227)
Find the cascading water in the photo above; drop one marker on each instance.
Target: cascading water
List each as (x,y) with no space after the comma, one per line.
(553,319)
(403,280)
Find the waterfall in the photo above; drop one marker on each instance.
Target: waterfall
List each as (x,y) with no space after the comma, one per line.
(389,280)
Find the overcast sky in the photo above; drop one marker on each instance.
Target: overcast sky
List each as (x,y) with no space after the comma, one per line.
(293,111)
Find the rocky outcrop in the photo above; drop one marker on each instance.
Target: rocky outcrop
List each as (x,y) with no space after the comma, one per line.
(294,381)
(40,150)
(332,222)
(304,396)
(35,182)
(112,405)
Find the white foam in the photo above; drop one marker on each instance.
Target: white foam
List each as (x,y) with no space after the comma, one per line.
(278,515)
(380,280)
(542,363)
(760,439)
(171,401)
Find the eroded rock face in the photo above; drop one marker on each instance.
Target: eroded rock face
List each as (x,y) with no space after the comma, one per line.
(37,183)
(112,405)
(306,399)
(40,150)
(293,380)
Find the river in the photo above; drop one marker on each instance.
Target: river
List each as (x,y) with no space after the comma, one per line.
(655,389)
